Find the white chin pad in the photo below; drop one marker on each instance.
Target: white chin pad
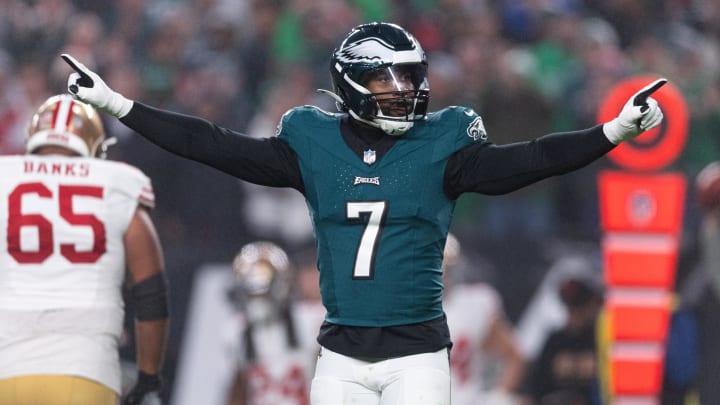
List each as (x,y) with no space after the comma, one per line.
(393,128)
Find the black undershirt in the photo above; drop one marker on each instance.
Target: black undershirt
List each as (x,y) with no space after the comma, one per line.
(360,137)
(483,168)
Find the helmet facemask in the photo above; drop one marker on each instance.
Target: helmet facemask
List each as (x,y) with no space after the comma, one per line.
(262,281)
(379,76)
(397,97)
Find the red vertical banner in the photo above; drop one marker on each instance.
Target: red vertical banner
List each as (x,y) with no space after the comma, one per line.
(641,218)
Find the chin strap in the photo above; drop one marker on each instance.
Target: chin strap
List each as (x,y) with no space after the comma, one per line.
(393,128)
(338,101)
(103,147)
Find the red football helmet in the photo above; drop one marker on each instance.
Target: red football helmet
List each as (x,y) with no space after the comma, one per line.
(707,186)
(63,121)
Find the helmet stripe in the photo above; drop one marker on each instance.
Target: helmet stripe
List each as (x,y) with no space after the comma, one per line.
(62,115)
(56,110)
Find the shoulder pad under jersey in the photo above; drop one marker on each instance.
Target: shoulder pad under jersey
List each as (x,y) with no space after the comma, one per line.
(132,181)
(305,119)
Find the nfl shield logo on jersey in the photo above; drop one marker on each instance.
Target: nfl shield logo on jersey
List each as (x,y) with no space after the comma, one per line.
(369,156)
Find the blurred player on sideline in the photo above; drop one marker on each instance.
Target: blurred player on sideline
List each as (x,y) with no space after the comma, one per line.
(701,292)
(482,338)
(71,225)
(273,335)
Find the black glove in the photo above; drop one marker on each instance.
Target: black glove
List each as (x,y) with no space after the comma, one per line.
(146,390)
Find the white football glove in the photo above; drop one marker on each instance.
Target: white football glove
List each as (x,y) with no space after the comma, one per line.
(639,114)
(86,86)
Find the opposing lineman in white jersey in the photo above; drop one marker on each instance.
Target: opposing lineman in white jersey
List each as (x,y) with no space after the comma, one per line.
(70,225)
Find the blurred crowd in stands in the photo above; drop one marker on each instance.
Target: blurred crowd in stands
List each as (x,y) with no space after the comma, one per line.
(528,67)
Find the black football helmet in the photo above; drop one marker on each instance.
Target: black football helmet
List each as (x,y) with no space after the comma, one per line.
(386,51)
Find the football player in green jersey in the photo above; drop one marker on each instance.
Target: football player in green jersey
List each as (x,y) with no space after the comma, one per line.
(381,178)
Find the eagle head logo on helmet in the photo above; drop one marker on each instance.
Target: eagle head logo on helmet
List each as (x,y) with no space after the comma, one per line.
(71,124)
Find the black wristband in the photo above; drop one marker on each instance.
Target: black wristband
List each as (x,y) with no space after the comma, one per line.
(151,381)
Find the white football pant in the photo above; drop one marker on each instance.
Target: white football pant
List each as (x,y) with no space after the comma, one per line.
(420,379)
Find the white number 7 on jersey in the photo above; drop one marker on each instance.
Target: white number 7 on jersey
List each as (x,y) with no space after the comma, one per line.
(374,214)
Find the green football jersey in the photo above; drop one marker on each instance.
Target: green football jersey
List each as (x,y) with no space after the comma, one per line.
(380,225)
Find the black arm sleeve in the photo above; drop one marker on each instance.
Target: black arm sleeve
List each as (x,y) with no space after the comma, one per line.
(498,169)
(264,161)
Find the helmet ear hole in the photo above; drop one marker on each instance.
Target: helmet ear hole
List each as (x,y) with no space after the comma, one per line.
(363,104)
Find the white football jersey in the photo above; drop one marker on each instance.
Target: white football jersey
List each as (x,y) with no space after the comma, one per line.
(470,310)
(62,255)
(281,375)
(214,347)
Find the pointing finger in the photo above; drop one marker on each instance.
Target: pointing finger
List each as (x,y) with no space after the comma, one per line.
(85,80)
(642,96)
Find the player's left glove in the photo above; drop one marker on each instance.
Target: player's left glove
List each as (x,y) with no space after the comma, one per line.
(86,86)
(639,114)
(146,390)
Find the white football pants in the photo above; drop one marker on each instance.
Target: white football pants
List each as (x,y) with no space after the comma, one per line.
(420,379)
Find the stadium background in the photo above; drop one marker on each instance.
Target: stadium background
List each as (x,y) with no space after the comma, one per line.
(528,67)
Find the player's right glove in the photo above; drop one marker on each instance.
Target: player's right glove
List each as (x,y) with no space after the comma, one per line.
(86,86)
(146,390)
(639,114)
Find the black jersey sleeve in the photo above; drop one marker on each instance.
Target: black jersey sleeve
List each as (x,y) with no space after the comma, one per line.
(492,169)
(264,161)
